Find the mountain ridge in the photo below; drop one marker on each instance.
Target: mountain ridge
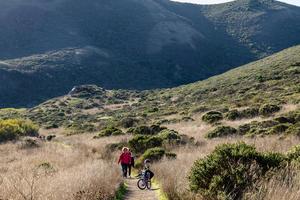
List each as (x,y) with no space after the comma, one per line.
(169,44)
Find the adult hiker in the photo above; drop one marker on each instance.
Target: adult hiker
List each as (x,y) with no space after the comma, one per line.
(131,163)
(125,160)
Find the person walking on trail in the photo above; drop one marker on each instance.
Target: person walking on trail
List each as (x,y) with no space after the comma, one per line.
(131,163)
(125,160)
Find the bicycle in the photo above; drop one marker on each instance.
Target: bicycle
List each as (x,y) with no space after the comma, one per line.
(144,180)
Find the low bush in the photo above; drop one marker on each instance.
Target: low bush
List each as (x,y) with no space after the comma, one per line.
(212,117)
(128,122)
(169,135)
(110,131)
(221,131)
(294,129)
(29,143)
(280,128)
(294,154)
(244,129)
(239,114)
(268,109)
(12,129)
(285,119)
(229,170)
(146,130)
(140,143)
(250,112)
(170,155)
(233,115)
(262,128)
(153,154)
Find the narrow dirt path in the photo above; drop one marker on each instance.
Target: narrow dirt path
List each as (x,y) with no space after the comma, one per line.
(134,193)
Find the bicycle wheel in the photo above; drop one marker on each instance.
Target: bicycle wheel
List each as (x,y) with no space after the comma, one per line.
(141,184)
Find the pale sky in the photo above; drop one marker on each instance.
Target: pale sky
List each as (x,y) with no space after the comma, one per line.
(294,2)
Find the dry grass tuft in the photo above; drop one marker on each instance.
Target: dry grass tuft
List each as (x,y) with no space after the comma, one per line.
(285,184)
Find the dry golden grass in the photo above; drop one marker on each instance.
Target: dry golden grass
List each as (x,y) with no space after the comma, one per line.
(285,184)
(67,168)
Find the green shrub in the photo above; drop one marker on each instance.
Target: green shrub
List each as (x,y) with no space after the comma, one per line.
(128,122)
(249,112)
(246,113)
(294,129)
(110,131)
(212,117)
(154,154)
(294,154)
(268,109)
(244,129)
(280,128)
(146,130)
(229,170)
(140,143)
(285,119)
(170,155)
(221,131)
(169,135)
(233,115)
(12,129)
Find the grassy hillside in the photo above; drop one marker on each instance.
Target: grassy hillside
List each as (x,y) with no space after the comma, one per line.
(270,81)
(231,136)
(47,47)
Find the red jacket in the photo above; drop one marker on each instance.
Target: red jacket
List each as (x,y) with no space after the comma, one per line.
(125,158)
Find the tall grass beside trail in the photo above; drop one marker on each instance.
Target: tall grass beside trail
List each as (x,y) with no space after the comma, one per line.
(284,184)
(67,168)
(172,174)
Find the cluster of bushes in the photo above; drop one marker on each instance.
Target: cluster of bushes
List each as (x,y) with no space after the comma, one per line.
(263,110)
(245,113)
(221,131)
(289,124)
(140,143)
(150,145)
(231,168)
(12,129)
(212,117)
(268,109)
(128,122)
(110,131)
(11,113)
(146,130)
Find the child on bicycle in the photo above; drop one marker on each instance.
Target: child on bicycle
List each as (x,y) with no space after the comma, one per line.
(147,164)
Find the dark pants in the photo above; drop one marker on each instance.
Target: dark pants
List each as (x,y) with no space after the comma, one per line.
(124,169)
(129,170)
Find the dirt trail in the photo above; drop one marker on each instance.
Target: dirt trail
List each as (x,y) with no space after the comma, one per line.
(134,193)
